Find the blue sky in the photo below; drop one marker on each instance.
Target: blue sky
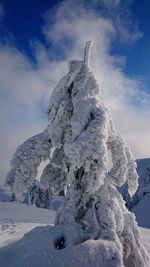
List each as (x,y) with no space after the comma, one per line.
(37,40)
(23,21)
(139,54)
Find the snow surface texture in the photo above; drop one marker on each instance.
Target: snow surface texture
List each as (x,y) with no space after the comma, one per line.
(16,219)
(93,219)
(25,240)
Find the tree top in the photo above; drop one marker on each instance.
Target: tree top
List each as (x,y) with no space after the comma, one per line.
(87,51)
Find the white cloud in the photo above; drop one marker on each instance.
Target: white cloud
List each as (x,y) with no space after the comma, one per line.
(25,87)
(124,96)
(114,3)
(122,18)
(24,92)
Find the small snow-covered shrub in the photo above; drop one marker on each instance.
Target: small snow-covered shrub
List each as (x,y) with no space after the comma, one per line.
(37,196)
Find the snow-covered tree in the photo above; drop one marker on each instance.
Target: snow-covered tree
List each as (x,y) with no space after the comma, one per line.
(83,136)
(37,196)
(93,207)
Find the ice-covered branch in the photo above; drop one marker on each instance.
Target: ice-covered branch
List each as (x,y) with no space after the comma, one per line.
(124,166)
(87,51)
(53,176)
(26,160)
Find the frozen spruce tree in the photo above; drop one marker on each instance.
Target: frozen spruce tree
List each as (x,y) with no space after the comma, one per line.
(93,220)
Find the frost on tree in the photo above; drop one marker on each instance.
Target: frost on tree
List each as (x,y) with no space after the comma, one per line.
(26,160)
(37,196)
(93,208)
(53,176)
(83,136)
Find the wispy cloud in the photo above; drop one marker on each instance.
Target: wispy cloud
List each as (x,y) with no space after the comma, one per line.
(25,86)
(24,92)
(125,97)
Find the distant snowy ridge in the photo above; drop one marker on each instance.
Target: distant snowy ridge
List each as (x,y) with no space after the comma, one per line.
(143,170)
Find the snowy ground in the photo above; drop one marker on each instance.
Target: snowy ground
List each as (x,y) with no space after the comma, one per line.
(17,219)
(27,241)
(25,238)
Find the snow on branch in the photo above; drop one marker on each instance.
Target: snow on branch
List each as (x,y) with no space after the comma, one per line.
(26,160)
(87,51)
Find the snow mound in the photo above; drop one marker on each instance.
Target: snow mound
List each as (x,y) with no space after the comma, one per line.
(26,240)
(36,249)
